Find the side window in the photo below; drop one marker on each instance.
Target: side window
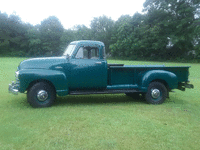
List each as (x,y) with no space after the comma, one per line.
(82,53)
(94,53)
(87,53)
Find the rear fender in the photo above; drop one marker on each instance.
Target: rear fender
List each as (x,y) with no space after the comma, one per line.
(169,77)
(57,78)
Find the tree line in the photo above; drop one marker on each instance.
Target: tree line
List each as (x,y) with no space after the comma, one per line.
(166,30)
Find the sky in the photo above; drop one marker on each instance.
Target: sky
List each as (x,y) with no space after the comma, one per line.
(70,12)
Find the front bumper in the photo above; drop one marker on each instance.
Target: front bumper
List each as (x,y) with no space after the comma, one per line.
(13,88)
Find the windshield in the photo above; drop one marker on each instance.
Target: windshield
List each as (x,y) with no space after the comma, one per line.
(69,50)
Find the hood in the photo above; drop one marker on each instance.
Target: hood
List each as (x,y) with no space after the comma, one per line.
(42,63)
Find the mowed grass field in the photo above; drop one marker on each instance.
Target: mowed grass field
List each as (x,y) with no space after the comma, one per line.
(98,122)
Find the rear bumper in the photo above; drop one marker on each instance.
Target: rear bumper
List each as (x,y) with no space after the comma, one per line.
(183,86)
(13,88)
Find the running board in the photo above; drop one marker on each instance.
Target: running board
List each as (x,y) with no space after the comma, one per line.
(102,92)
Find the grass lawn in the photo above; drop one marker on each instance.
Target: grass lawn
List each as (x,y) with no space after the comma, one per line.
(100,121)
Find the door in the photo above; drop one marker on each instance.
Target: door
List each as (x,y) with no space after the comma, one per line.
(88,71)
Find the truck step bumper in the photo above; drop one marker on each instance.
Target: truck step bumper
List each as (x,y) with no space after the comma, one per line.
(182,86)
(190,86)
(13,88)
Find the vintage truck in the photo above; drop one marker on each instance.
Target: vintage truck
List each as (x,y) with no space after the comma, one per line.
(83,69)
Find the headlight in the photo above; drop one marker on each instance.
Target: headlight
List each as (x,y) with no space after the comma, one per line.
(17,74)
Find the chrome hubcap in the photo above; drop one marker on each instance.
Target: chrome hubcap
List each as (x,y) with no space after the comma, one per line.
(155,93)
(42,95)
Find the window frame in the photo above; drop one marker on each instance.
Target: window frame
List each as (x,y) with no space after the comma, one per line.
(89,51)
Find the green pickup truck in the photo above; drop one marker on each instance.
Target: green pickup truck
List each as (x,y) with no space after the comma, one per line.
(83,69)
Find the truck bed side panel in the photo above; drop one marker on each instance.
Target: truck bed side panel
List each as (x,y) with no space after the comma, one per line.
(132,75)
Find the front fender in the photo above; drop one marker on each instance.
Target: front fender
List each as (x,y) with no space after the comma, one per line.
(57,78)
(169,77)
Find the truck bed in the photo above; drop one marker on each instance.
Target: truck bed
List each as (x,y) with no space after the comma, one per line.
(129,74)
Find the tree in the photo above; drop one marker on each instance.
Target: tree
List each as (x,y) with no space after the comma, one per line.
(176,19)
(129,36)
(13,40)
(82,32)
(67,37)
(121,38)
(51,31)
(4,35)
(102,28)
(34,41)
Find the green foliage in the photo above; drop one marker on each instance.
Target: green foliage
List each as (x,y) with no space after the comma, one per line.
(82,32)
(12,35)
(34,41)
(20,39)
(177,19)
(51,31)
(167,30)
(102,29)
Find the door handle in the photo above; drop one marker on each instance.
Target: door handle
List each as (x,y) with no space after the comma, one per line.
(99,63)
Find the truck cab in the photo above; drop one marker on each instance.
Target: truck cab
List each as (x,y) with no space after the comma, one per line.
(87,65)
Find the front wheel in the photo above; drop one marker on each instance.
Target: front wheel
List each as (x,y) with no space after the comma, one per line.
(156,94)
(41,94)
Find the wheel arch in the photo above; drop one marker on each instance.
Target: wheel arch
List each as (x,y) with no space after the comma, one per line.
(169,79)
(57,79)
(161,81)
(40,80)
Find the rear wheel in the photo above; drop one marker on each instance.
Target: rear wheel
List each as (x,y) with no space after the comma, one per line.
(156,93)
(41,94)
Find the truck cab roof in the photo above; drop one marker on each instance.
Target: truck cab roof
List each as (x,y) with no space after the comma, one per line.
(88,43)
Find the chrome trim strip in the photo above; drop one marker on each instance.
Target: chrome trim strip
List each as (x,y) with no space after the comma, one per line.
(58,67)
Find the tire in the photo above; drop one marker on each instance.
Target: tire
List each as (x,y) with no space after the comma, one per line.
(156,93)
(41,94)
(136,95)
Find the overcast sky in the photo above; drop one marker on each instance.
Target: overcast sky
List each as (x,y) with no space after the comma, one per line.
(70,12)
